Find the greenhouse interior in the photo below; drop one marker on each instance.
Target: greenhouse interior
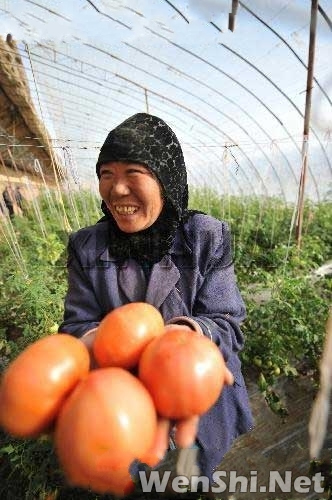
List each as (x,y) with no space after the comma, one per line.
(246,86)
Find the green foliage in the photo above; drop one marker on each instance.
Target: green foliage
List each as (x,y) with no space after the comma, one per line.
(31,468)
(32,285)
(286,332)
(286,308)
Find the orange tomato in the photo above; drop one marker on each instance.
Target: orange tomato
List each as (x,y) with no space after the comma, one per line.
(37,382)
(124,333)
(108,421)
(184,373)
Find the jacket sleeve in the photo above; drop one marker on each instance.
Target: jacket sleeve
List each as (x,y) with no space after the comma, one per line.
(218,307)
(82,311)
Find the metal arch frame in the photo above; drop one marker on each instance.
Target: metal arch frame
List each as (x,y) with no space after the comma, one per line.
(116,57)
(207,104)
(71,110)
(107,15)
(236,81)
(125,62)
(104,86)
(202,119)
(287,44)
(194,79)
(224,97)
(112,18)
(281,92)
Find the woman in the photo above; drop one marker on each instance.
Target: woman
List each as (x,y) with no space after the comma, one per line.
(150,247)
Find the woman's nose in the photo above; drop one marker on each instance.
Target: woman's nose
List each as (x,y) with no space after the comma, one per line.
(120,187)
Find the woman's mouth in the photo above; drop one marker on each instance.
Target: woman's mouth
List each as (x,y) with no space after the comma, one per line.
(125,209)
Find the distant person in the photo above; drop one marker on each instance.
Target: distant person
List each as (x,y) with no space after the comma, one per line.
(19,198)
(8,199)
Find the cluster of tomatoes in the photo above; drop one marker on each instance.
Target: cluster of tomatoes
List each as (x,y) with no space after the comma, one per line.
(147,378)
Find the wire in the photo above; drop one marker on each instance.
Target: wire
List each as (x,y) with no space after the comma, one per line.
(49,10)
(287,45)
(120,75)
(108,16)
(282,93)
(204,84)
(177,10)
(325,16)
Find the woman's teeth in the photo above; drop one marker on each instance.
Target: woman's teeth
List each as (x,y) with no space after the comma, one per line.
(125,210)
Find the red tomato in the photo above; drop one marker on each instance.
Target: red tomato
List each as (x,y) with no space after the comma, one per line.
(124,333)
(36,383)
(108,421)
(184,373)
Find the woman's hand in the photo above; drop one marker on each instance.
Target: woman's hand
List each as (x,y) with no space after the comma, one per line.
(175,326)
(88,340)
(185,432)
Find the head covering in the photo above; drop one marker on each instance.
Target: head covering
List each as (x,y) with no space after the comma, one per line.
(148,140)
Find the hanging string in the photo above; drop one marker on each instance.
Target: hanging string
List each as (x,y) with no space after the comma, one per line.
(226,161)
(70,166)
(35,202)
(291,228)
(35,206)
(274,151)
(10,237)
(38,169)
(55,165)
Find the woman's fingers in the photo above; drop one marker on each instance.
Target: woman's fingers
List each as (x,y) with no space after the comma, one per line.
(88,340)
(186,431)
(160,445)
(175,326)
(229,377)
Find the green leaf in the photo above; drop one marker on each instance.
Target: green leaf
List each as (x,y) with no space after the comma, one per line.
(7,449)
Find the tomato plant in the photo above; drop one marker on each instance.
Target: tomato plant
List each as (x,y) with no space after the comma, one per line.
(184,372)
(36,383)
(108,421)
(124,332)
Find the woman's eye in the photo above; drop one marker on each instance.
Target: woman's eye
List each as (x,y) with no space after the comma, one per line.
(135,171)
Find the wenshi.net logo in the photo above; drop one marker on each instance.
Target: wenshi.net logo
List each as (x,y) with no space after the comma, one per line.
(231,482)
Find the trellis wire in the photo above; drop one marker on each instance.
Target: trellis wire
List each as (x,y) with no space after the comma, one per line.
(13,244)
(38,169)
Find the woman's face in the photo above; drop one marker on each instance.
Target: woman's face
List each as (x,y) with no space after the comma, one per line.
(131,193)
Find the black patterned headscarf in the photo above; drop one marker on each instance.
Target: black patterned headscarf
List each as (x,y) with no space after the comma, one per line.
(148,140)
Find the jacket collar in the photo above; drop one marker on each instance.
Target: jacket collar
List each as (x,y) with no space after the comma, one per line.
(131,278)
(163,278)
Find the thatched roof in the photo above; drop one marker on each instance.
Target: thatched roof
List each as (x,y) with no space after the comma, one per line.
(19,122)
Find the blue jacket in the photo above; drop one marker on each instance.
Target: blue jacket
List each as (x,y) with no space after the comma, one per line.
(196,279)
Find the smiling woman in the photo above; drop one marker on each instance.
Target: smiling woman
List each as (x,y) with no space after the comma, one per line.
(150,248)
(132,194)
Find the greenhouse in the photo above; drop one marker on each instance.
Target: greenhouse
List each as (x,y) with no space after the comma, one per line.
(246,87)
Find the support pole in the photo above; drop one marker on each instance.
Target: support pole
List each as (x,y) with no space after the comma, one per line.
(146,100)
(231,16)
(306,128)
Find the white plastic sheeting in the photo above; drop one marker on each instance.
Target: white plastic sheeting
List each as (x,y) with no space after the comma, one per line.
(235,99)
